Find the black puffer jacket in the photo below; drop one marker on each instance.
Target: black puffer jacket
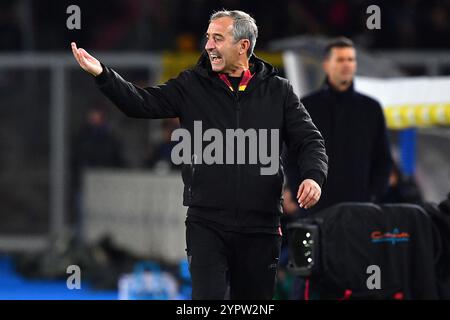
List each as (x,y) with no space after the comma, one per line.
(198,94)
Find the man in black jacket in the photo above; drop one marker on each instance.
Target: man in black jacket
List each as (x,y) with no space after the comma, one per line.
(354,130)
(232,225)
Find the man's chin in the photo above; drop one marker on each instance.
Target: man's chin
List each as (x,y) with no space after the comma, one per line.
(347,78)
(217,68)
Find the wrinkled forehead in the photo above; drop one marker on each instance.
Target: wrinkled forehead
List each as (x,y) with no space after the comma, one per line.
(221,26)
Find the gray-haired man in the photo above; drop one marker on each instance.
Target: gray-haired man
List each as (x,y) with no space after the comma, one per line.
(232,226)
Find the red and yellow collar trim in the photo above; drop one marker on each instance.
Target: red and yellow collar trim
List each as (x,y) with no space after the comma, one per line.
(244,81)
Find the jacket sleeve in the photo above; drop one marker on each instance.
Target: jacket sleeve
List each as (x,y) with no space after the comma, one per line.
(304,140)
(381,160)
(157,102)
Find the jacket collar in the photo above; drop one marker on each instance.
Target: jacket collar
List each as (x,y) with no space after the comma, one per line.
(327,87)
(245,79)
(260,68)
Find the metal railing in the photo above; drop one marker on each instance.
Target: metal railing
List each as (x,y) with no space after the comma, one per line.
(59,65)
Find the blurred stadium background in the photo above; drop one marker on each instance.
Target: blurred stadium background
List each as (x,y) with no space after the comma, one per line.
(81,184)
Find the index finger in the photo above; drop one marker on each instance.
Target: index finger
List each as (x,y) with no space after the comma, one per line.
(300,189)
(304,194)
(75,51)
(74,47)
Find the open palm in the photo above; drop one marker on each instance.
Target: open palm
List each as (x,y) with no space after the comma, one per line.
(86,61)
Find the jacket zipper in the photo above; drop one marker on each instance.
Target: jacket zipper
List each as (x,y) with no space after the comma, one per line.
(235,96)
(238,172)
(191,186)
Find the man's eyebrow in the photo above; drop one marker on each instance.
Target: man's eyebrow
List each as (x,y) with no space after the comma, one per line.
(214,34)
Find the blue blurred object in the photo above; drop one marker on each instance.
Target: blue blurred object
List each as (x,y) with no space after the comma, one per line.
(407,144)
(184,270)
(185,292)
(148,282)
(14,287)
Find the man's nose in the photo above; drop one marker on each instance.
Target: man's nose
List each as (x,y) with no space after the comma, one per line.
(209,44)
(347,65)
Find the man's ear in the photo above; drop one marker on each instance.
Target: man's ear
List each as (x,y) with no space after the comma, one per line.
(245,45)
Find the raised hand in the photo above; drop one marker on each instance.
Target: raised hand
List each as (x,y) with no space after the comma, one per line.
(86,61)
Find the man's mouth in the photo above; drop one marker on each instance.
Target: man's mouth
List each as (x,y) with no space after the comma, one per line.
(215,58)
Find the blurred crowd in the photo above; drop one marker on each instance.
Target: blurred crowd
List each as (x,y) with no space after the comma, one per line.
(179,24)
